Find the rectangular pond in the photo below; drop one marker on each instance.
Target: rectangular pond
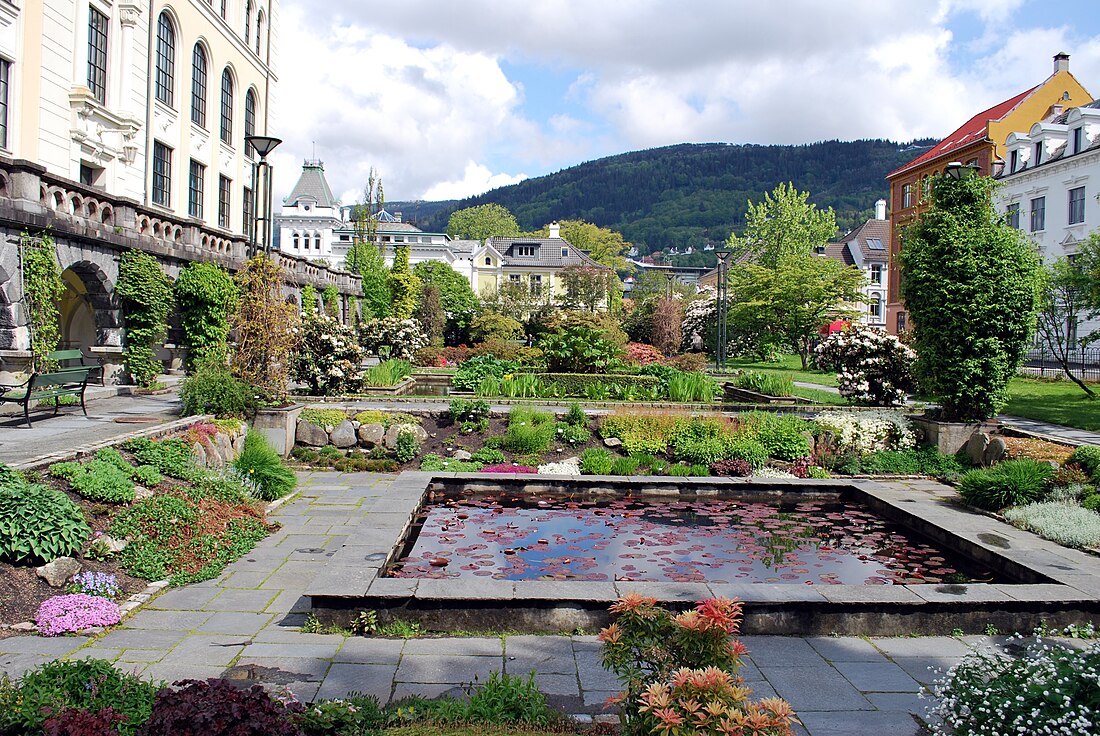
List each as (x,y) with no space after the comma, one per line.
(544,553)
(658,539)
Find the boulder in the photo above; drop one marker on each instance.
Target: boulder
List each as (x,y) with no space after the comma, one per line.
(462,455)
(59,572)
(224,443)
(976,447)
(198,454)
(612,442)
(995,451)
(343,435)
(141,492)
(310,434)
(113,545)
(390,439)
(371,435)
(238,444)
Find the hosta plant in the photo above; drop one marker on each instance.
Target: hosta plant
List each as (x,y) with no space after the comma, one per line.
(39,524)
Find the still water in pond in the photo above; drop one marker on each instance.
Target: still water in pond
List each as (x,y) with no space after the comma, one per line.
(655,539)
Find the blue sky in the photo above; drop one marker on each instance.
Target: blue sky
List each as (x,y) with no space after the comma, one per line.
(448,98)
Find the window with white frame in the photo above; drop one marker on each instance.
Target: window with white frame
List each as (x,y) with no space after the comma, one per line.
(195,184)
(1076,205)
(1037,158)
(225,188)
(875,307)
(246,211)
(1078,139)
(259,29)
(907,195)
(536,284)
(524,250)
(249,119)
(162,174)
(297,242)
(876,273)
(1038,214)
(166,60)
(5,73)
(247,22)
(1012,215)
(97,54)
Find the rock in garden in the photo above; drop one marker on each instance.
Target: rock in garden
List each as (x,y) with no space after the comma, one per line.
(371,435)
(225,447)
(995,451)
(113,545)
(310,434)
(613,442)
(58,572)
(462,455)
(141,492)
(198,454)
(24,626)
(238,444)
(343,435)
(391,434)
(976,447)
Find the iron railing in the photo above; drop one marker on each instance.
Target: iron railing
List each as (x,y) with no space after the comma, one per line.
(1084,363)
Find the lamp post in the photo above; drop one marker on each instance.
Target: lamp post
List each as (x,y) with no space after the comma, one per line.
(957,170)
(261,193)
(669,277)
(723,275)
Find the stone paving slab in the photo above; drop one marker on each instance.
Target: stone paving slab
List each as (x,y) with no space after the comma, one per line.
(878,677)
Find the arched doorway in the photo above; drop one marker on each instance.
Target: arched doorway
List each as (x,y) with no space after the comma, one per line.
(88,315)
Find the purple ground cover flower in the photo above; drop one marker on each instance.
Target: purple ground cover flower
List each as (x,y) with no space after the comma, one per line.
(75,612)
(508,468)
(102,584)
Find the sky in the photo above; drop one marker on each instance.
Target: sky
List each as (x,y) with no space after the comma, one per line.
(450,98)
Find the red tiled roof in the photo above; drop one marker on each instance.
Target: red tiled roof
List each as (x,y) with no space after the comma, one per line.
(971,131)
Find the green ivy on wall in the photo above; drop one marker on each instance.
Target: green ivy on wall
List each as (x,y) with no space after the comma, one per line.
(42,290)
(145,292)
(206,296)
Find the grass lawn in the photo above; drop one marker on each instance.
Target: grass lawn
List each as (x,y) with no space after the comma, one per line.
(787,365)
(822,397)
(1060,402)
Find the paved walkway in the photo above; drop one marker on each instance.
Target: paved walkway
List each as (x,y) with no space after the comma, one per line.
(245,625)
(1077,436)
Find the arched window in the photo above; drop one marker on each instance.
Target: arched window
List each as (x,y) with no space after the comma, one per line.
(296,247)
(227,107)
(249,118)
(247,22)
(198,86)
(259,28)
(166,59)
(316,242)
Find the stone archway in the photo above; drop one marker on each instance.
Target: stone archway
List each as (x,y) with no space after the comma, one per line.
(89,315)
(13,328)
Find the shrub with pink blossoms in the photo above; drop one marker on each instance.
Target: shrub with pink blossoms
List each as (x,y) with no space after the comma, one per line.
(873,368)
(64,614)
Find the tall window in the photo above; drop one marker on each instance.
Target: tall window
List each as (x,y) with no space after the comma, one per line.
(1012,215)
(247,22)
(1013,161)
(249,119)
(1078,140)
(297,242)
(1038,153)
(876,273)
(1076,205)
(97,54)
(198,86)
(907,195)
(246,211)
(225,8)
(259,28)
(166,59)
(227,107)
(875,308)
(536,285)
(195,184)
(225,188)
(5,71)
(1038,214)
(162,174)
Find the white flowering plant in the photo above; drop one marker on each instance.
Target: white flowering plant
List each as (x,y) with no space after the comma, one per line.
(390,337)
(864,432)
(873,368)
(329,359)
(1050,689)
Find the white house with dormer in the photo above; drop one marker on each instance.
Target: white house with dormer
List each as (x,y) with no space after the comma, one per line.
(1050,187)
(866,249)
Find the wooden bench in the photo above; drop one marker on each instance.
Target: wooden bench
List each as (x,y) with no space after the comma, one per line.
(65,358)
(53,385)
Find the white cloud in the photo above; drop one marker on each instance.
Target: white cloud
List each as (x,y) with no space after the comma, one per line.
(476,179)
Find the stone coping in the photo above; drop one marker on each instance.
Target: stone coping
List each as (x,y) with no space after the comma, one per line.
(1057,585)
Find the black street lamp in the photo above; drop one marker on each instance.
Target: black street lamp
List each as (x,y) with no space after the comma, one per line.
(260,228)
(669,276)
(957,170)
(723,289)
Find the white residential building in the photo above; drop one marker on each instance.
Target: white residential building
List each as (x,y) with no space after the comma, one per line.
(1050,187)
(866,248)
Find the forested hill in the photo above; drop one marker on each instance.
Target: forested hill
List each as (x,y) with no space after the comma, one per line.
(693,194)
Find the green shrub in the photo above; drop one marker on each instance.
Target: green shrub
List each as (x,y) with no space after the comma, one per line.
(323,417)
(112,456)
(488,456)
(1063,523)
(922,461)
(38,524)
(596,461)
(305,454)
(492,326)
(407,446)
(90,684)
(578,384)
(700,441)
(1091,502)
(171,456)
(766,383)
(354,715)
(330,452)
(387,373)
(682,470)
(97,480)
(529,431)
(744,447)
(1011,483)
(1088,458)
(783,435)
(147,476)
(214,390)
(463,410)
(573,434)
(649,433)
(624,466)
(471,372)
(262,470)
(692,387)
(434,463)
(575,416)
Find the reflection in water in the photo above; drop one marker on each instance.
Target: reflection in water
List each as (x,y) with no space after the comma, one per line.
(718,541)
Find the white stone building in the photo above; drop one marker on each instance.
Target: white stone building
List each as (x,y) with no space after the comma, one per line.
(866,248)
(1050,187)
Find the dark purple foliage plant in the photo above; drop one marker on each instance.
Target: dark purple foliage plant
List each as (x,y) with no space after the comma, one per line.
(216,707)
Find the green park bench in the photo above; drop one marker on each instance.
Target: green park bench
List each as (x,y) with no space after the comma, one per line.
(65,360)
(72,381)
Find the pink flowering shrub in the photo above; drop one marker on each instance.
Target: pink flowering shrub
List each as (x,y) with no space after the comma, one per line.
(675,665)
(873,368)
(638,353)
(508,468)
(63,614)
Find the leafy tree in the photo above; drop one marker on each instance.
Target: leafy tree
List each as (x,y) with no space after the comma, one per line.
(430,315)
(651,282)
(456,297)
(578,350)
(491,326)
(366,257)
(1065,294)
(586,287)
(266,327)
(330,299)
(668,318)
(404,284)
(971,284)
(1088,261)
(206,297)
(145,291)
(482,222)
(784,224)
(792,301)
(513,299)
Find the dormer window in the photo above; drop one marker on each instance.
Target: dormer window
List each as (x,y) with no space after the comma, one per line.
(488,261)
(1038,153)
(1078,140)
(564,252)
(1013,161)
(524,250)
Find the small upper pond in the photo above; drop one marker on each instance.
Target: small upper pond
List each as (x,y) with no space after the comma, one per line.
(658,538)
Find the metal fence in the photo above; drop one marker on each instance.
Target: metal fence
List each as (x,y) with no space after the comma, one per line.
(1085,364)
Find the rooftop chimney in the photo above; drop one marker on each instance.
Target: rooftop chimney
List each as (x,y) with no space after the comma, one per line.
(555,230)
(1061,62)
(397,216)
(880,209)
